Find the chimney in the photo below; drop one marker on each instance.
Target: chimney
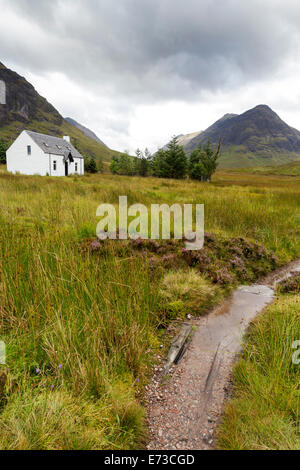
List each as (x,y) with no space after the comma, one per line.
(67,138)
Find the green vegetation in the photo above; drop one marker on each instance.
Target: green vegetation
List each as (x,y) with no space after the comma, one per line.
(289,285)
(240,157)
(143,162)
(90,165)
(125,164)
(265,411)
(186,291)
(88,147)
(82,320)
(203,163)
(172,162)
(289,169)
(169,163)
(3,148)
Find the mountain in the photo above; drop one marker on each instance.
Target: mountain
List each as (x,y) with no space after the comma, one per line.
(186,139)
(257,137)
(26,109)
(85,130)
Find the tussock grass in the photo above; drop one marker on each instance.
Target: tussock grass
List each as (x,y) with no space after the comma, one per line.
(265,410)
(80,329)
(53,421)
(186,292)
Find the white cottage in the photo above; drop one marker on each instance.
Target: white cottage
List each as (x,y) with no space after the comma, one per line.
(39,154)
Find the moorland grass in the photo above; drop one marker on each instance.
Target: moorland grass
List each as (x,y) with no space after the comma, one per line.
(265,411)
(184,291)
(81,330)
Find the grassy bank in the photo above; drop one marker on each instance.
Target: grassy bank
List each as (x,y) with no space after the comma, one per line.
(288,169)
(82,328)
(265,411)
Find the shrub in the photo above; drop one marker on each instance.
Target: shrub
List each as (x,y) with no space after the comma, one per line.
(289,285)
(91,165)
(3,148)
(185,292)
(203,163)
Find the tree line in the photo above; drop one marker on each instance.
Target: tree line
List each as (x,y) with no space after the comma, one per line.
(171,162)
(3,147)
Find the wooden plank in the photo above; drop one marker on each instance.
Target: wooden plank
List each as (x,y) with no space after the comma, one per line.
(177,346)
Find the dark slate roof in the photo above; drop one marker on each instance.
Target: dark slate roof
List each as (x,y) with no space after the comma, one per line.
(54,145)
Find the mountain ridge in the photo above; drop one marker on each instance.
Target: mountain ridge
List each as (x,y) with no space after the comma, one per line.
(86,131)
(257,137)
(25,108)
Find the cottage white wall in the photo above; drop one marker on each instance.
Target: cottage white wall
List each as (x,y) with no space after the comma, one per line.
(38,163)
(60,166)
(80,170)
(19,162)
(82,166)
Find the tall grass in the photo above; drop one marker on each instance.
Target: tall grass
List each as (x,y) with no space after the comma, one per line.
(265,411)
(81,329)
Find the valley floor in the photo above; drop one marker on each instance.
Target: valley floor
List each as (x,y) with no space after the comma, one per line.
(84,325)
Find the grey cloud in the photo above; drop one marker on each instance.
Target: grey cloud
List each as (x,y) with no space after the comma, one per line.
(131,53)
(155,49)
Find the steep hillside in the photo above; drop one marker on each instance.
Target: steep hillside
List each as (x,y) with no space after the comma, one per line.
(85,130)
(257,137)
(26,109)
(187,138)
(217,129)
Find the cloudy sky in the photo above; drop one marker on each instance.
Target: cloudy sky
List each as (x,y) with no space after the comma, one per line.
(139,71)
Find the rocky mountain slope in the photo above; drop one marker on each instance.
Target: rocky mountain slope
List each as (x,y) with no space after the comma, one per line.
(258,137)
(187,138)
(26,109)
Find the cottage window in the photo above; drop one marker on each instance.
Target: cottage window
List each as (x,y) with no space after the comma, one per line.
(76,167)
(28,149)
(54,165)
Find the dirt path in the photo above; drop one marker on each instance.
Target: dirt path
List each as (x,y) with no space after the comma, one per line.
(184,408)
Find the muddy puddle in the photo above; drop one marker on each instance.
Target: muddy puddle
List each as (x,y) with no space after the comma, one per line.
(184,412)
(226,325)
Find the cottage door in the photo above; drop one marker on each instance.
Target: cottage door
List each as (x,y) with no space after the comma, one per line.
(66,168)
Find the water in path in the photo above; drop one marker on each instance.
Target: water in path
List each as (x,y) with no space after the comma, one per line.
(184,413)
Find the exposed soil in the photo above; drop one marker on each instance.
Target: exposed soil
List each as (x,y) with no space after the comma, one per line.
(185,407)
